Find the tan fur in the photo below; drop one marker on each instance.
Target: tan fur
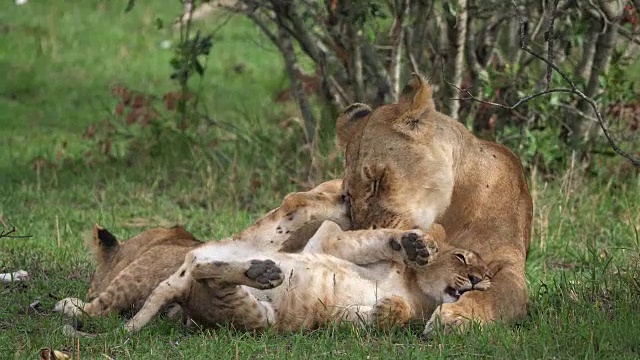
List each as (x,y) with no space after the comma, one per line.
(408,165)
(233,282)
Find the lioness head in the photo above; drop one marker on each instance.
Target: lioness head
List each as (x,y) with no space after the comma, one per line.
(397,173)
(453,273)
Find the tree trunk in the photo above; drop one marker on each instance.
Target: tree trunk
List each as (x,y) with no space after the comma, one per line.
(582,128)
(457,37)
(293,70)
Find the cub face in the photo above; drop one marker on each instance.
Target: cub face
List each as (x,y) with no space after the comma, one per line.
(453,273)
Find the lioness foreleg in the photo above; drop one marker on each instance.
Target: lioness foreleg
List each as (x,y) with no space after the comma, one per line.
(505,300)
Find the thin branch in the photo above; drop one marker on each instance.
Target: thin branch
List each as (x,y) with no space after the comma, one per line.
(356,63)
(578,112)
(11,229)
(507,107)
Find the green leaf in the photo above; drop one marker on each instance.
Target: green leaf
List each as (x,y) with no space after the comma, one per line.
(199,68)
(130,5)
(159,23)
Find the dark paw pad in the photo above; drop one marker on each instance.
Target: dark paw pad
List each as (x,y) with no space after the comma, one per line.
(415,248)
(265,273)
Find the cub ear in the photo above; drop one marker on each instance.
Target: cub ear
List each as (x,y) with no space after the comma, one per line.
(102,242)
(349,121)
(421,107)
(103,237)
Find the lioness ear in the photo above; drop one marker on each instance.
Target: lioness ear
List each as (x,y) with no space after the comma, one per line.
(421,107)
(348,123)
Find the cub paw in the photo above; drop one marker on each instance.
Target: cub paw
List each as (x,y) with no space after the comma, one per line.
(265,273)
(391,311)
(417,249)
(70,307)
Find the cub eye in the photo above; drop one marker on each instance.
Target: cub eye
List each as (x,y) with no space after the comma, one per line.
(460,256)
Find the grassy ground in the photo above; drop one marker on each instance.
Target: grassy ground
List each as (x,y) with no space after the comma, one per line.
(58,62)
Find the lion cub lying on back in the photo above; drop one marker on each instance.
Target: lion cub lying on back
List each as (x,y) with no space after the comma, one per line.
(230,282)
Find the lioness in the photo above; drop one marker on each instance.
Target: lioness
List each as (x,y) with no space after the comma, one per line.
(409,165)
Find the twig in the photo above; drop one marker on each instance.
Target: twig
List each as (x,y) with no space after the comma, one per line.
(580,113)
(574,90)
(58,230)
(507,107)
(415,68)
(6,232)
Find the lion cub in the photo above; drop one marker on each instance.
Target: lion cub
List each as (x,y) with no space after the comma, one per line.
(232,282)
(127,272)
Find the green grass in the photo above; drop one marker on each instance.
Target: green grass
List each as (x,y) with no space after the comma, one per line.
(58,62)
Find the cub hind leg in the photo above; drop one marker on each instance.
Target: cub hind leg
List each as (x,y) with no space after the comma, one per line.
(230,300)
(124,292)
(390,311)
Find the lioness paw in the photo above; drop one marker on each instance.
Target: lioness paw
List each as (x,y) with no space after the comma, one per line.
(70,307)
(265,273)
(417,249)
(447,317)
